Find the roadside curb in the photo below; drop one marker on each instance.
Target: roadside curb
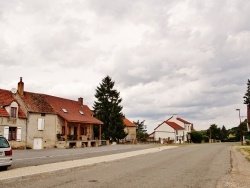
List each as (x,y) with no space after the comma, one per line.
(22,173)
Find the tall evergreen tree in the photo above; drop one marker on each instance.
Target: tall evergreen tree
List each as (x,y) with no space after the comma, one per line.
(223,133)
(108,109)
(247,94)
(247,102)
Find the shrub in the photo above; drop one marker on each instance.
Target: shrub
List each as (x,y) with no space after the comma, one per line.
(247,142)
(196,137)
(205,138)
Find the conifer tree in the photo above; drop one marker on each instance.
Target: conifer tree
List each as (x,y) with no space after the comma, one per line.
(247,95)
(247,102)
(108,109)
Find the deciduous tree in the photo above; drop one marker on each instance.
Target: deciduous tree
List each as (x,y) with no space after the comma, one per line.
(141,130)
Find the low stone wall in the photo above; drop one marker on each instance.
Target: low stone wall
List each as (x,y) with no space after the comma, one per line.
(80,143)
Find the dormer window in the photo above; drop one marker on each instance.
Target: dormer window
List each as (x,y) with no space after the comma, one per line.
(81,112)
(64,110)
(13,112)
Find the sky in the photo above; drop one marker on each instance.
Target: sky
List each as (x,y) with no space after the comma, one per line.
(184,57)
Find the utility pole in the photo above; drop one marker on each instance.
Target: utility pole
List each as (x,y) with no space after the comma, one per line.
(240,128)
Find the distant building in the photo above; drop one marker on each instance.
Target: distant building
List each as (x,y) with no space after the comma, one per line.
(175,129)
(130,129)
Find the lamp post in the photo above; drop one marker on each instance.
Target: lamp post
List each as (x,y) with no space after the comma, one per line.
(241,135)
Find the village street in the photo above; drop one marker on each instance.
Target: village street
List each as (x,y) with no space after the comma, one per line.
(202,165)
(24,158)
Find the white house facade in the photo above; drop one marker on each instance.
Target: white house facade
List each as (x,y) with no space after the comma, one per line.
(174,129)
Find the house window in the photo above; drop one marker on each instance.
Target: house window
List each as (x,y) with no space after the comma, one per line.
(13,112)
(40,124)
(84,131)
(64,110)
(12,133)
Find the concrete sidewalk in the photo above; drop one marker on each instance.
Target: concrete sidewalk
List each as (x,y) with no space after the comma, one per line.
(20,173)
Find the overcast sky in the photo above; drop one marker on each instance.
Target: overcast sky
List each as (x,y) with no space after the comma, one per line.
(190,58)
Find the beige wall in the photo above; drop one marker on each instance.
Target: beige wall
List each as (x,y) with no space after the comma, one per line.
(48,135)
(131,132)
(14,122)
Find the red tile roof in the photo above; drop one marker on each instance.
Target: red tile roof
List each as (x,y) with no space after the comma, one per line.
(174,125)
(36,102)
(128,123)
(3,112)
(183,121)
(73,109)
(6,98)
(42,103)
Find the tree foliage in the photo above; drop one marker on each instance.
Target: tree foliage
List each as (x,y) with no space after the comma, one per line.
(223,134)
(141,130)
(214,132)
(196,137)
(247,94)
(108,109)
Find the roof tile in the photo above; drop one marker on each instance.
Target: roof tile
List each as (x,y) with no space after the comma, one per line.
(174,125)
(128,123)
(6,98)
(183,121)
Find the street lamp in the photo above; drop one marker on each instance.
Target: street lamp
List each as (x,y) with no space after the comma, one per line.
(241,135)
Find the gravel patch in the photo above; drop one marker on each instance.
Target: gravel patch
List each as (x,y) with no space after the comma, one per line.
(239,177)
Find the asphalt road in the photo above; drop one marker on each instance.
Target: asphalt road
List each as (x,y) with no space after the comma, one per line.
(191,166)
(25,158)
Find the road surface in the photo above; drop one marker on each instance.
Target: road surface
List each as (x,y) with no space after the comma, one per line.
(195,166)
(24,158)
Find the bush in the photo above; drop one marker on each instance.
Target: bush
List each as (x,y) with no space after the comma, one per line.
(196,137)
(205,138)
(247,142)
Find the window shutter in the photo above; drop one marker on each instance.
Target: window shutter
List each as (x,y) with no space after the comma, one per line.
(6,132)
(40,124)
(19,134)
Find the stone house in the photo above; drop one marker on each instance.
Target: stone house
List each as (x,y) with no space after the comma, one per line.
(130,129)
(56,122)
(13,121)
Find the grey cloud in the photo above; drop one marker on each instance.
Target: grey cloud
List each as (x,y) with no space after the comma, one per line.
(184,57)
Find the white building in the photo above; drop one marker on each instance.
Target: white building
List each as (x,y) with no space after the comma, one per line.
(175,129)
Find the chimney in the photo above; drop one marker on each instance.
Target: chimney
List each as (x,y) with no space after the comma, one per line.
(80,100)
(20,87)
